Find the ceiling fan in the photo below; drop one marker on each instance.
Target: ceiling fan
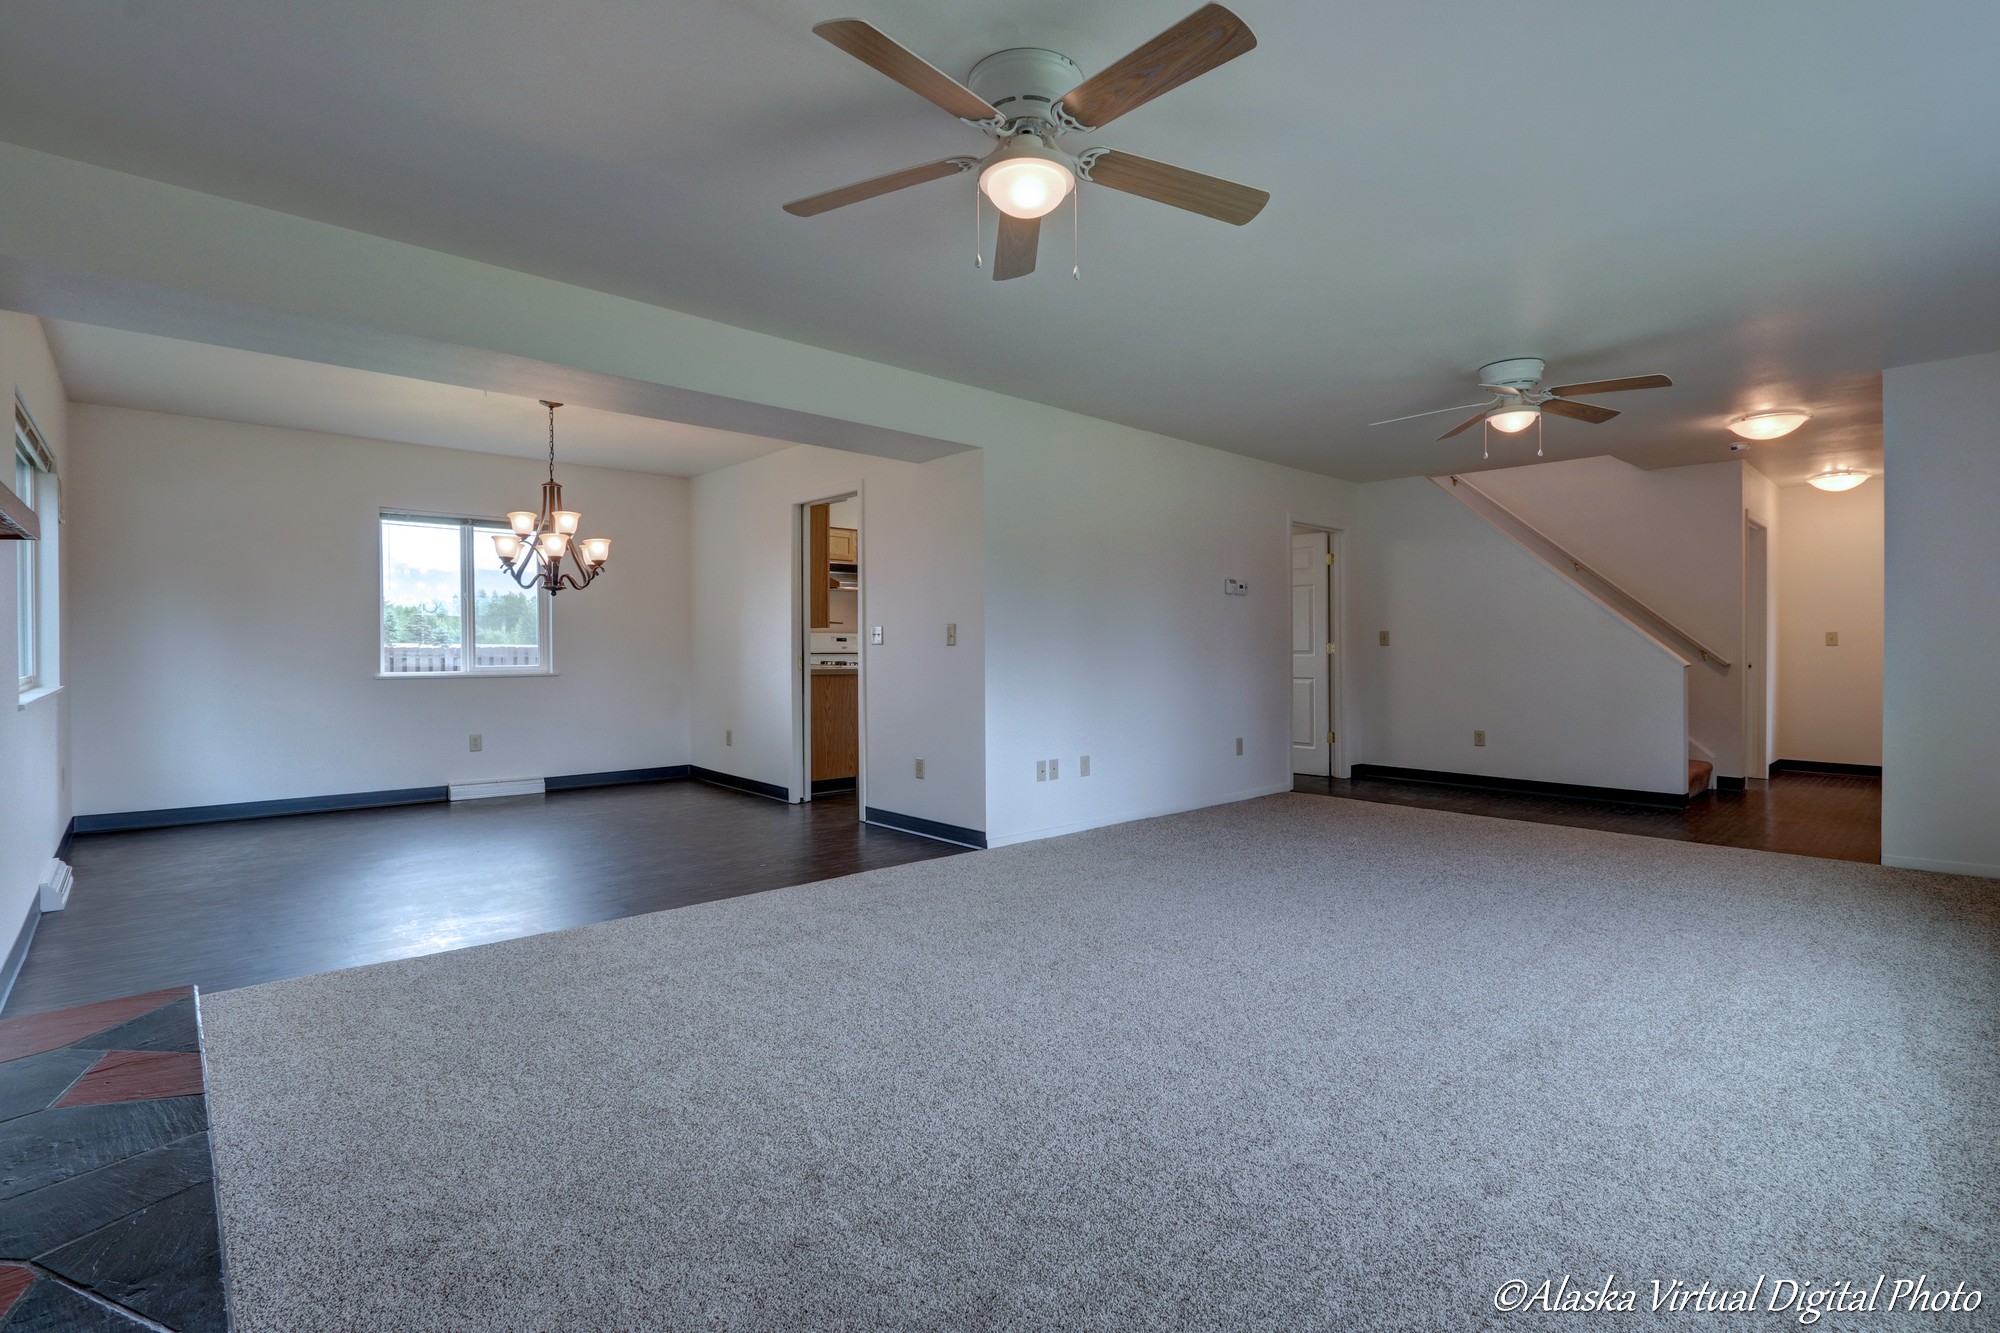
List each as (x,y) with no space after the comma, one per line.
(1027,100)
(1518,402)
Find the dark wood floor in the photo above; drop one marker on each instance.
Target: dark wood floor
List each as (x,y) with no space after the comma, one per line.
(1808,814)
(226,905)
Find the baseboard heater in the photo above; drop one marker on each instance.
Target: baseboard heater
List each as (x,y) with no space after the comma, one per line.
(479,791)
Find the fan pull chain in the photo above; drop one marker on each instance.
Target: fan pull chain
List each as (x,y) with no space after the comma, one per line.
(1538,434)
(978,231)
(1076,232)
(1485,442)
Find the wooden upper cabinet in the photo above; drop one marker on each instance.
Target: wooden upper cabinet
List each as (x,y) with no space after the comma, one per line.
(816,552)
(843,545)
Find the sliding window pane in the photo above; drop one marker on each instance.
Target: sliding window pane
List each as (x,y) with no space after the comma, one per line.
(421,592)
(506,622)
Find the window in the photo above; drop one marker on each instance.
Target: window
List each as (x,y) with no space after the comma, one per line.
(433,571)
(34,562)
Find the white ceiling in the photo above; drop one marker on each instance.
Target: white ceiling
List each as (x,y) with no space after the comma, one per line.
(154,374)
(1768,201)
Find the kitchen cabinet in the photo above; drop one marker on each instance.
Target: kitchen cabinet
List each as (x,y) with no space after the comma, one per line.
(843,545)
(836,724)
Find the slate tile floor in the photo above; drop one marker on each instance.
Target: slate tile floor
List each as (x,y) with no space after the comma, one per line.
(107,1190)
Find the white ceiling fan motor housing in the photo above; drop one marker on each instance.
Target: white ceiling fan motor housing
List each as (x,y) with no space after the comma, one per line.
(1024,82)
(1521,372)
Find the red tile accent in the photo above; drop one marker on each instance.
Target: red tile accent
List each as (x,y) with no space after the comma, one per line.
(36,1033)
(14,1280)
(136,1076)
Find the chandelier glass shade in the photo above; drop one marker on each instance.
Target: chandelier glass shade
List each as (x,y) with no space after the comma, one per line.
(543,549)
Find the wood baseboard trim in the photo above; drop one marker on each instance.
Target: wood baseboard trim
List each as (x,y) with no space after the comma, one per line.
(751,785)
(927,828)
(1523,786)
(1815,766)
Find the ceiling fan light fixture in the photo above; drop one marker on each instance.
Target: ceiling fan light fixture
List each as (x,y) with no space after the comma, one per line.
(1514,419)
(1839,478)
(1027,178)
(1769,425)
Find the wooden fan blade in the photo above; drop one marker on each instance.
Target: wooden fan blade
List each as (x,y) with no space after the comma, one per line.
(1178,187)
(868,189)
(1390,421)
(1466,424)
(1208,37)
(1613,386)
(1590,412)
(1014,252)
(876,49)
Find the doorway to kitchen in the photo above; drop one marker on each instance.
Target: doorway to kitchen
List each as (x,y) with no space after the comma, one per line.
(830,676)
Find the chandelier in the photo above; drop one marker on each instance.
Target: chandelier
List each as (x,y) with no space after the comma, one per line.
(535,551)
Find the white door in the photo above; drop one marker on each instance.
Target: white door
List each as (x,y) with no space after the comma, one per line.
(1312,655)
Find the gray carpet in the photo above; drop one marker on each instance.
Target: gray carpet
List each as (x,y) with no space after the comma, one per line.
(1297,1063)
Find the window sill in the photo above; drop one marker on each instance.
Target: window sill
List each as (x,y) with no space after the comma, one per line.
(489,674)
(36,695)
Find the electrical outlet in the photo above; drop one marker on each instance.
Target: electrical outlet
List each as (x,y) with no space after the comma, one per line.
(729,735)
(951,636)
(475,742)
(875,635)
(920,768)
(1239,745)
(1055,769)
(1833,638)
(1479,738)
(1041,770)
(1083,767)
(1382,637)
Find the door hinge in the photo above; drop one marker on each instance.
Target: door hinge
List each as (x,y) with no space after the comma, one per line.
(1329,650)
(1329,557)
(1331,738)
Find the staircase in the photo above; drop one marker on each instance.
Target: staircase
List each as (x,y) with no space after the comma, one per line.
(1699,772)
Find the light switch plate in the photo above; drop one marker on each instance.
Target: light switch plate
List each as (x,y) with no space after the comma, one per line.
(1055,769)
(951,636)
(1239,745)
(1041,770)
(475,742)
(1083,767)
(920,768)
(1382,638)
(1833,638)
(1479,738)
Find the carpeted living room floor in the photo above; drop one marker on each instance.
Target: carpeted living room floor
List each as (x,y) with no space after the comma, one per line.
(1294,1063)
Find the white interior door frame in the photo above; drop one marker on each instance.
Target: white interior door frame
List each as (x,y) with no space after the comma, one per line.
(801,783)
(1337,593)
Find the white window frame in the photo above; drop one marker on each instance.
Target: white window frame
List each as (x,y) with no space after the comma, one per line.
(33,481)
(468,540)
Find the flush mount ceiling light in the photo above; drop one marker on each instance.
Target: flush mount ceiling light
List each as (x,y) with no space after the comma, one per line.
(535,550)
(1839,479)
(1769,425)
(1514,419)
(1027,178)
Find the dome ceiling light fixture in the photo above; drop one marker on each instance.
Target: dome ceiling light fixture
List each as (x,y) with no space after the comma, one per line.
(533,554)
(1839,478)
(1769,425)
(1512,419)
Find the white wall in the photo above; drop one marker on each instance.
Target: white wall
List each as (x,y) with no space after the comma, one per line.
(1110,635)
(1941,648)
(1482,636)
(1674,539)
(1830,577)
(225,620)
(920,559)
(36,806)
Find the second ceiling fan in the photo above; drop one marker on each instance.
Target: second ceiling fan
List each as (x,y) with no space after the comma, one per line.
(1028,100)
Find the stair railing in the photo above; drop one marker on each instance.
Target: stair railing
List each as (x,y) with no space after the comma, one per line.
(1586,580)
